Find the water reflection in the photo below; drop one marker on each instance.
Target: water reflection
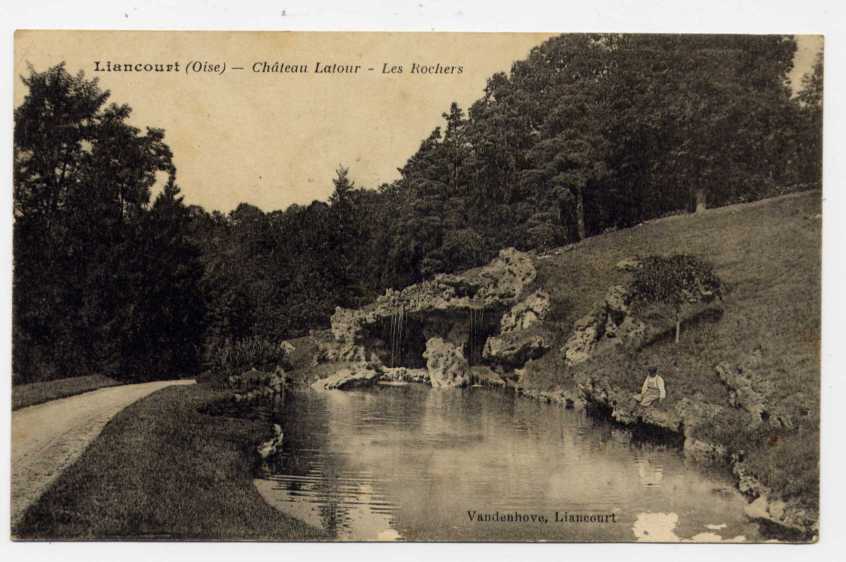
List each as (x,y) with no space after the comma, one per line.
(410,462)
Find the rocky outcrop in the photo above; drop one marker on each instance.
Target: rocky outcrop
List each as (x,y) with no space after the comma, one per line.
(742,391)
(569,399)
(749,390)
(442,306)
(513,349)
(506,277)
(334,351)
(527,313)
(610,323)
(787,516)
(520,338)
(683,418)
(349,376)
(614,322)
(446,364)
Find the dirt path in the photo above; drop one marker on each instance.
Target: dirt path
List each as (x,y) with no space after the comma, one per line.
(49,437)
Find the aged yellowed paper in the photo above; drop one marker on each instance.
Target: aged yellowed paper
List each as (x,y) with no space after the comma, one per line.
(309,286)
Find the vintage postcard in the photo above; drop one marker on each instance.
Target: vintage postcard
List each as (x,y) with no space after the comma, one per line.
(336,286)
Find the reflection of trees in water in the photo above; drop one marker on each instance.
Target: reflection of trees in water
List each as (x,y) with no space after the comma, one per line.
(306,456)
(334,511)
(324,433)
(407,458)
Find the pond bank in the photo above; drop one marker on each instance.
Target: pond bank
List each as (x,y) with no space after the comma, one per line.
(678,422)
(162,470)
(782,520)
(408,462)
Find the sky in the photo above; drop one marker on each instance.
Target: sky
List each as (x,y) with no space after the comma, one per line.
(273,139)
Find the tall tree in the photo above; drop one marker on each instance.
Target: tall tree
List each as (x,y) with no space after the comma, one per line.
(810,100)
(82,181)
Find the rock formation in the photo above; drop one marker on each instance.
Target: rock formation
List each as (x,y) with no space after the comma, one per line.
(527,313)
(349,376)
(748,390)
(513,349)
(521,337)
(446,364)
(461,310)
(608,324)
(614,322)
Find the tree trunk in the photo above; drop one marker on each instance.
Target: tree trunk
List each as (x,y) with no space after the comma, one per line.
(678,329)
(580,213)
(700,199)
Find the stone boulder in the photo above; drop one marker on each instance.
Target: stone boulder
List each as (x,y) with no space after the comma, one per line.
(527,313)
(505,278)
(788,516)
(586,332)
(513,349)
(742,392)
(337,351)
(750,391)
(446,364)
(349,376)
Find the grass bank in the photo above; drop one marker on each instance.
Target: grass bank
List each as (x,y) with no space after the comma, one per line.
(24,395)
(161,470)
(768,254)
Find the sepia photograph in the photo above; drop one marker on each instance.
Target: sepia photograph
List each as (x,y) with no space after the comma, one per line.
(416,286)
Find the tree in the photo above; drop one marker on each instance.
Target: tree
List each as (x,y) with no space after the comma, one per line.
(82,182)
(700,120)
(166,329)
(810,100)
(678,281)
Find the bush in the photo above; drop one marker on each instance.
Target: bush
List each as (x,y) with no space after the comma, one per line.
(678,281)
(227,359)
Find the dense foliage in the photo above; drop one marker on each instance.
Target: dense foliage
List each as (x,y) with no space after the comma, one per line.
(224,360)
(104,281)
(677,281)
(589,133)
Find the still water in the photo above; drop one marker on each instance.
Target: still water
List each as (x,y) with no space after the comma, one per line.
(415,463)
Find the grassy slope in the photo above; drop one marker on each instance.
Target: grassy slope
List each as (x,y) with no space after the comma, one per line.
(769,255)
(24,395)
(160,470)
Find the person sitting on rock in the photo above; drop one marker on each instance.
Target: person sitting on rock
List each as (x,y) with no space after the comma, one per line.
(653,388)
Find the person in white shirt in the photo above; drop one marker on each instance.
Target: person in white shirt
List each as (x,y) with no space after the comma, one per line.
(653,388)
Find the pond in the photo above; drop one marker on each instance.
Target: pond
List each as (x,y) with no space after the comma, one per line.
(415,463)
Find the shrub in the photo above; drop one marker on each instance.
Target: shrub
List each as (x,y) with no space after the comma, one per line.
(227,359)
(678,280)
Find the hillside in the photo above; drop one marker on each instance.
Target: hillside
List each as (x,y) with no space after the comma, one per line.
(768,255)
